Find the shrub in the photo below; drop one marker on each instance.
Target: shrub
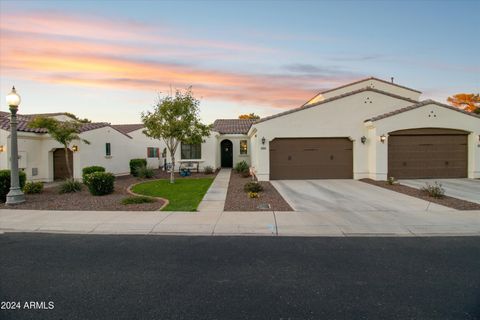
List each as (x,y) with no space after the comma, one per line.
(5,183)
(253,195)
(241,167)
(135,164)
(434,190)
(32,187)
(92,169)
(101,183)
(137,200)
(144,172)
(252,187)
(208,170)
(70,185)
(391,181)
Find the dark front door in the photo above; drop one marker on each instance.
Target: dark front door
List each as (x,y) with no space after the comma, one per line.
(60,170)
(311,158)
(227,153)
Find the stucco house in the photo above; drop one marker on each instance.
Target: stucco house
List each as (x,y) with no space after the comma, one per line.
(366,129)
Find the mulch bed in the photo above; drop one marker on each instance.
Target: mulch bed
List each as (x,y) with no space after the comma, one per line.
(446,201)
(237,199)
(50,199)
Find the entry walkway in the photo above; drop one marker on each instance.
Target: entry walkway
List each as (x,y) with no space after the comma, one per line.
(214,199)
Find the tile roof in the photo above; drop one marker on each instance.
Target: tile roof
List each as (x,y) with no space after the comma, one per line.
(418,105)
(232,126)
(351,93)
(127,128)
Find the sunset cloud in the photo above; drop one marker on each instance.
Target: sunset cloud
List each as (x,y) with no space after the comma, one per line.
(89,51)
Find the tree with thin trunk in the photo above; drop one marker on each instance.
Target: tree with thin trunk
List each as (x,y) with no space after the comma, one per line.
(251,116)
(175,120)
(64,132)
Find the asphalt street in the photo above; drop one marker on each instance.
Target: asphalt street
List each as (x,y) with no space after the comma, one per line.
(180,277)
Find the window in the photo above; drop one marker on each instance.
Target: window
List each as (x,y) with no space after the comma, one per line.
(108,149)
(153,152)
(191,151)
(243,147)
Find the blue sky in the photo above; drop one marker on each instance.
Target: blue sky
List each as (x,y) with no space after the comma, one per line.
(109,60)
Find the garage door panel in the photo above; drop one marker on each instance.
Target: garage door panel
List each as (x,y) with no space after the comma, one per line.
(428,156)
(311,158)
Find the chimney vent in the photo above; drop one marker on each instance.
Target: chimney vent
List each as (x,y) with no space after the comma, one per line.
(391,79)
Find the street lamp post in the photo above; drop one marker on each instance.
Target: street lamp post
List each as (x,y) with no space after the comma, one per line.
(15,195)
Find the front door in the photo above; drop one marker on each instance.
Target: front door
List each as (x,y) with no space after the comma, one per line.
(226,147)
(60,171)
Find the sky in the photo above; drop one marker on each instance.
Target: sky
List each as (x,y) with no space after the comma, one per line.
(111,60)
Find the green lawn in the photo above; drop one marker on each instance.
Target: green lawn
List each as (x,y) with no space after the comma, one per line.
(183,195)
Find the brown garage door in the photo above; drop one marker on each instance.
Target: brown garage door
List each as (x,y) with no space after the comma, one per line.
(427,153)
(311,158)
(60,171)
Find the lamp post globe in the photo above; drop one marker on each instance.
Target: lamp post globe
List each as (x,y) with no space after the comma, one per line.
(15,195)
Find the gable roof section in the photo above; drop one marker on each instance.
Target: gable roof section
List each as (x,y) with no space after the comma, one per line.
(368,79)
(418,105)
(232,126)
(127,128)
(304,107)
(23,123)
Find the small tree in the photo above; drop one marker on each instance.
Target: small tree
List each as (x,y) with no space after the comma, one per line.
(466,101)
(249,116)
(175,120)
(64,132)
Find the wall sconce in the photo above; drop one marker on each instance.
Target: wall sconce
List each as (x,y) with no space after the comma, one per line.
(74,148)
(2,149)
(363,139)
(383,138)
(263,140)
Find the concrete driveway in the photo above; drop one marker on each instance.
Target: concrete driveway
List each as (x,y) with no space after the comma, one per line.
(347,196)
(466,189)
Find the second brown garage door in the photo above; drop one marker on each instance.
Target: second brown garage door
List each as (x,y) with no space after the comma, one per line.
(311,158)
(427,153)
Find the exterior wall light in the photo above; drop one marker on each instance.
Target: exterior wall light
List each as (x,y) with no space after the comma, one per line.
(74,148)
(263,140)
(363,139)
(383,138)
(2,149)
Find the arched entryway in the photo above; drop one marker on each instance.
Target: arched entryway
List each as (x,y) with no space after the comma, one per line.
(226,152)
(60,171)
(428,153)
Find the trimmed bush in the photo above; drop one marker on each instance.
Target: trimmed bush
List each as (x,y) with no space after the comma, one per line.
(92,169)
(241,167)
(69,186)
(100,183)
(137,200)
(391,181)
(32,187)
(208,170)
(434,190)
(252,187)
(5,183)
(144,172)
(135,164)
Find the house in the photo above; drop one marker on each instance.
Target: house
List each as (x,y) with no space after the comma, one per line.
(370,128)
(367,129)
(43,159)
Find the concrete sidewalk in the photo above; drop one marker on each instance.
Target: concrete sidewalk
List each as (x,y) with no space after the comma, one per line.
(214,199)
(338,224)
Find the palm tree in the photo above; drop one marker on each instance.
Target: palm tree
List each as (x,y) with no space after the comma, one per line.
(63,132)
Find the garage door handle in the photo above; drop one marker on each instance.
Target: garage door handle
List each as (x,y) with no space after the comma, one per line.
(446,163)
(331,157)
(404,164)
(289,157)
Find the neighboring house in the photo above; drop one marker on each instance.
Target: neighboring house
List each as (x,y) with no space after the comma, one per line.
(43,159)
(366,129)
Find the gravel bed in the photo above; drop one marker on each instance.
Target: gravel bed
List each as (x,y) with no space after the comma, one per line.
(237,199)
(50,199)
(446,201)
